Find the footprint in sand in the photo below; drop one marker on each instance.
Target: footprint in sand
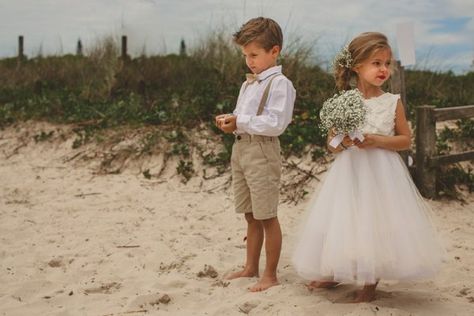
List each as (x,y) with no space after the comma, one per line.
(56,263)
(172,266)
(178,265)
(465,291)
(106,288)
(248,306)
(221,283)
(150,301)
(208,271)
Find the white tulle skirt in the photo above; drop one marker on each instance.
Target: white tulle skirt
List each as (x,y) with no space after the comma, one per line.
(367,222)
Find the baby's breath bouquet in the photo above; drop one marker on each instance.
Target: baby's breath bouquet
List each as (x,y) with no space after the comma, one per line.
(345,114)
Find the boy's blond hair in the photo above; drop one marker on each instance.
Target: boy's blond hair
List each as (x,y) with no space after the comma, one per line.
(264,31)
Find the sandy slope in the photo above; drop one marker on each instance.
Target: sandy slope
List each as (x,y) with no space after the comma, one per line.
(76,243)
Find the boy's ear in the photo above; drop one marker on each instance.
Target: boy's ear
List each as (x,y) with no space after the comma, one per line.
(275,50)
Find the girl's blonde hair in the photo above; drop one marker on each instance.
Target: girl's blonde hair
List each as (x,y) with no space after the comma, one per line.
(360,49)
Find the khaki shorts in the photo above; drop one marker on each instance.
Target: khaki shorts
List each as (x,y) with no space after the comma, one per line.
(256,172)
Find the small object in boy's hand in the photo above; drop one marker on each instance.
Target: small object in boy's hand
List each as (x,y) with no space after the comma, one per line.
(222,120)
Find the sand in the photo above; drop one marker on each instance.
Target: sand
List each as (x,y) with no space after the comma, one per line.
(75,242)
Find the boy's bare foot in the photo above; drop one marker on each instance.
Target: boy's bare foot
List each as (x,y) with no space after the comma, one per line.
(245,273)
(313,285)
(263,284)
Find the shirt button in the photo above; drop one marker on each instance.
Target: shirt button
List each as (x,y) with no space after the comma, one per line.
(239,137)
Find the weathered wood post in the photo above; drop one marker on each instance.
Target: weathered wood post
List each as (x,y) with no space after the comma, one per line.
(182,48)
(21,54)
(124,48)
(425,148)
(397,86)
(79,48)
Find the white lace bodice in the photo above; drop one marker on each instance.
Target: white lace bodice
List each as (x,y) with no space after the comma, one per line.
(381,114)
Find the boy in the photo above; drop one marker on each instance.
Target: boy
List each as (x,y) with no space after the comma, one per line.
(263,111)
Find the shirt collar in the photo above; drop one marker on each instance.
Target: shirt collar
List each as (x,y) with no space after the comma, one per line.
(267,73)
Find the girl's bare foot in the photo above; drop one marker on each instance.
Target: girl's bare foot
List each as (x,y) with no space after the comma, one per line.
(264,283)
(245,273)
(367,294)
(313,285)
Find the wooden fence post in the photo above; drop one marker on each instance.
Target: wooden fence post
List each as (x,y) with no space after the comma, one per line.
(425,148)
(21,54)
(182,48)
(124,47)
(79,48)
(397,86)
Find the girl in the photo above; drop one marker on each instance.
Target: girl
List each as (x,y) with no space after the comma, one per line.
(369,221)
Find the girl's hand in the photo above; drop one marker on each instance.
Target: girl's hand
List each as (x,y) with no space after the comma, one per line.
(347,141)
(370,141)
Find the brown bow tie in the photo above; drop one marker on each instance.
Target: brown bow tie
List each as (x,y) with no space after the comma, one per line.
(251,78)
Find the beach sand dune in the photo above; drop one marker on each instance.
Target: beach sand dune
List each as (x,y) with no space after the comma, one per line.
(74,242)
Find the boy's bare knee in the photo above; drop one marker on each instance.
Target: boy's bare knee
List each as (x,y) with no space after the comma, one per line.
(249,218)
(270,221)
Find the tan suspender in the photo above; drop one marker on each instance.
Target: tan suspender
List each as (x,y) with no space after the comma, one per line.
(265,96)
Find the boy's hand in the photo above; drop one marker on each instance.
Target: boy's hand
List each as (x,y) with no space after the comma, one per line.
(220,119)
(229,124)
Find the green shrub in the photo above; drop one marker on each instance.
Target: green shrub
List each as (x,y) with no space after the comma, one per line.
(99,90)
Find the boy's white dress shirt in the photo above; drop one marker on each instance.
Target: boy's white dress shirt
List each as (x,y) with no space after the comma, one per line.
(278,109)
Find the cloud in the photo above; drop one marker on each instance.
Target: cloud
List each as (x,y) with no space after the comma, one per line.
(451,25)
(160,24)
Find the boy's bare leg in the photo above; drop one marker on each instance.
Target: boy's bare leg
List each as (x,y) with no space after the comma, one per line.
(272,251)
(254,247)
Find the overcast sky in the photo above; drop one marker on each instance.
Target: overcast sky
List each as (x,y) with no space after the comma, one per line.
(444,29)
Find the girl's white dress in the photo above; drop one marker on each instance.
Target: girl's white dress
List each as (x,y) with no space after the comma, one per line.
(368,221)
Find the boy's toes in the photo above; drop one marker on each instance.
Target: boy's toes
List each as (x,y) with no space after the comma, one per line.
(264,284)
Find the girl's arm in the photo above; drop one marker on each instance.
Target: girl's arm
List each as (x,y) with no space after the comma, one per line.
(401,140)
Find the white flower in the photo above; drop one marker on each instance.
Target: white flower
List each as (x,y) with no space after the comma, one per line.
(344,112)
(343,58)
